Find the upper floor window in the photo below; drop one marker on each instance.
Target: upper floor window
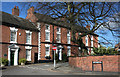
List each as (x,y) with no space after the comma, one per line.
(86,39)
(13,35)
(58,35)
(58,29)
(47,33)
(58,38)
(68,32)
(68,37)
(28,37)
(91,40)
(47,27)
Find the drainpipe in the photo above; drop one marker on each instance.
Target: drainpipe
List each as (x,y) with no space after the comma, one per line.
(39,42)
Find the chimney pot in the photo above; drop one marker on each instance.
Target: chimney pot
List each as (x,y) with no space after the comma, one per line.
(15,11)
(31,10)
(17,7)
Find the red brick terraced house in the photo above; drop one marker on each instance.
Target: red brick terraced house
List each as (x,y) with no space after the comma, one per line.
(32,38)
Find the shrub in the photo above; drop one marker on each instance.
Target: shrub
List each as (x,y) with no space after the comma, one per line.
(4,61)
(48,57)
(64,57)
(56,58)
(23,60)
(104,51)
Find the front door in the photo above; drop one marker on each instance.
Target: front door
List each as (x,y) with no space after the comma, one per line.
(12,58)
(36,58)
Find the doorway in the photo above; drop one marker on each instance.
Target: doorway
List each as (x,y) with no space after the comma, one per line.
(12,57)
(36,58)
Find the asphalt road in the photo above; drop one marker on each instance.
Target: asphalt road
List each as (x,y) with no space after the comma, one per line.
(45,70)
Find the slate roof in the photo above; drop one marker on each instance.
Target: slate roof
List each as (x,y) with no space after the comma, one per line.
(49,20)
(15,21)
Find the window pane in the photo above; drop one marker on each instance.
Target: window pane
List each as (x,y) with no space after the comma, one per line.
(47,51)
(68,39)
(13,33)
(47,27)
(58,29)
(27,37)
(68,52)
(86,39)
(58,38)
(68,32)
(47,36)
(28,54)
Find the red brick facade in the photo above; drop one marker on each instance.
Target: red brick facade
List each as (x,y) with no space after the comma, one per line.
(110,63)
(21,39)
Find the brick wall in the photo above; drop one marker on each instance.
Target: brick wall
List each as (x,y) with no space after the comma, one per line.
(111,63)
(21,39)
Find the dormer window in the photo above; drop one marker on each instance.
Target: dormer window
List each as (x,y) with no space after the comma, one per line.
(13,35)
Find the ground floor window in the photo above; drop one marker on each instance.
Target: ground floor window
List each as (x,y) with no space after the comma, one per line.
(47,49)
(68,52)
(28,54)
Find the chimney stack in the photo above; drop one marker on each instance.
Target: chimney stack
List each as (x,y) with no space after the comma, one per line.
(88,27)
(15,11)
(30,10)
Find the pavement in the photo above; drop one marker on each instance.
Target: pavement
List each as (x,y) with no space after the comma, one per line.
(48,69)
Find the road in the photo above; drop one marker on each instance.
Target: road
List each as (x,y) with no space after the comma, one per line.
(46,69)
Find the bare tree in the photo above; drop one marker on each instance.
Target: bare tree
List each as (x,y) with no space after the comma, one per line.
(95,14)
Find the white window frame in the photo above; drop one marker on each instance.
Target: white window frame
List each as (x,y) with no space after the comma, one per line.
(29,32)
(69,52)
(86,38)
(58,33)
(47,30)
(15,30)
(59,30)
(91,40)
(68,35)
(29,48)
(46,45)
(30,55)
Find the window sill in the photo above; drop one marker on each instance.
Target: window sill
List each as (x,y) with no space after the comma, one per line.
(47,40)
(28,60)
(28,43)
(13,42)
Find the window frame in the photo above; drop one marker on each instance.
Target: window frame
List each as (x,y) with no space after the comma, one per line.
(13,29)
(91,40)
(47,30)
(86,38)
(46,45)
(69,52)
(28,59)
(58,33)
(30,34)
(68,35)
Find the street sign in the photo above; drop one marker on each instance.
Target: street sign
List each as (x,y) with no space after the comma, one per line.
(54,48)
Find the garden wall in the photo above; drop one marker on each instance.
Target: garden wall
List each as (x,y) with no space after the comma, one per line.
(111,63)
